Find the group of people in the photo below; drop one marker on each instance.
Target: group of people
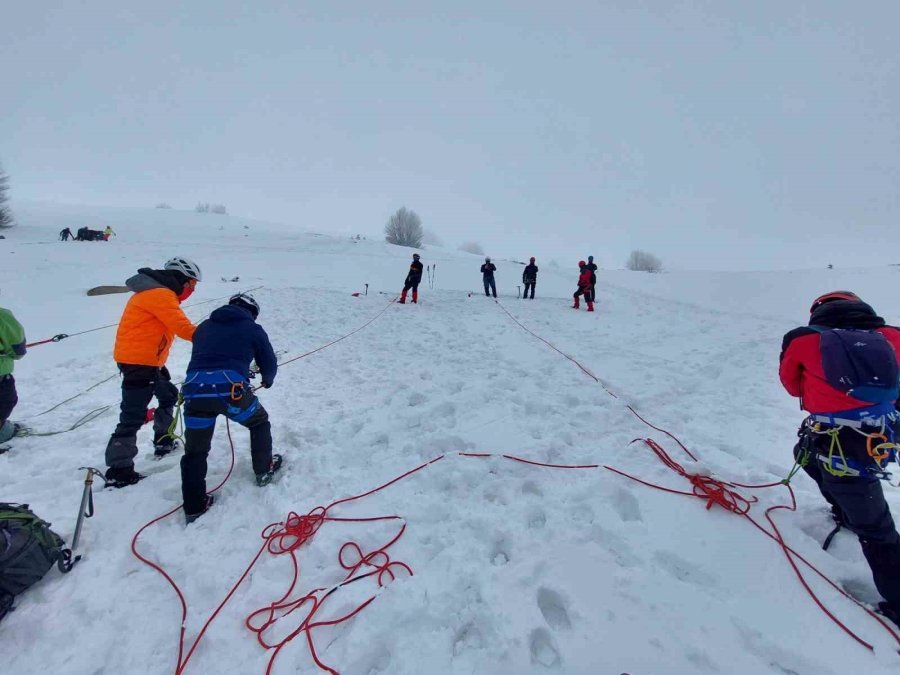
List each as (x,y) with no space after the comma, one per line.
(217,380)
(843,366)
(87,234)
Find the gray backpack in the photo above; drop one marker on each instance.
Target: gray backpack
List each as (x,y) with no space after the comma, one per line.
(28,549)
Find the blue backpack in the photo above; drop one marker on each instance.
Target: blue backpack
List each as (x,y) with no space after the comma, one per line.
(860,363)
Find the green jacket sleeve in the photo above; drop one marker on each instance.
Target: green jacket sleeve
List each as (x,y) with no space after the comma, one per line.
(12,336)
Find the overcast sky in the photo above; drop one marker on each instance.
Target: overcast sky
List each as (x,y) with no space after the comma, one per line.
(745,135)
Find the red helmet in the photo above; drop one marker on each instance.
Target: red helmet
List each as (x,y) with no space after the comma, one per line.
(581,263)
(833,295)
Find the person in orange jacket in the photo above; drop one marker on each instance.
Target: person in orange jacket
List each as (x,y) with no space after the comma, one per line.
(150,322)
(584,287)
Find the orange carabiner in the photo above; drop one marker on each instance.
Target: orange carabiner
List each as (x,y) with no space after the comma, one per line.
(237,391)
(880,452)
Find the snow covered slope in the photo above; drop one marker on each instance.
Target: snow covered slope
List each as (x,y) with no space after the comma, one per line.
(517,568)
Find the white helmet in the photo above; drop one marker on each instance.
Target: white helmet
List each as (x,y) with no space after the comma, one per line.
(246,301)
(186,266)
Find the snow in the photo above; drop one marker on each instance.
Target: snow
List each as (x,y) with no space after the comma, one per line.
(517,568)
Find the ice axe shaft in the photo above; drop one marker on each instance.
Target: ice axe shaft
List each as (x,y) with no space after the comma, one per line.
(86,510)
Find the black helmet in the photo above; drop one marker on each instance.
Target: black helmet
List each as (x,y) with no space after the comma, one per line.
(246,301)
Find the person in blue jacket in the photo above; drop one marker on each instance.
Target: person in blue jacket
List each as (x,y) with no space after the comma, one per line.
(218,383)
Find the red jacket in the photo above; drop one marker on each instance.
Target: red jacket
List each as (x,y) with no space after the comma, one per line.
(803,374)
(584,280)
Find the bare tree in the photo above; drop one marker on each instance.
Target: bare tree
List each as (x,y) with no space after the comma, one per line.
(218,208)
(6,219)
(641,261)
(404,228)
(472,247)
(163,205)
(202,207)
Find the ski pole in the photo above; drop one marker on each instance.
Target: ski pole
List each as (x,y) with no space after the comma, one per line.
(367,290)
(518,291)
(86,510)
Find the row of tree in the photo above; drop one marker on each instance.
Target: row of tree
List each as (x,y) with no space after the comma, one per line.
(404,228)
(6,218)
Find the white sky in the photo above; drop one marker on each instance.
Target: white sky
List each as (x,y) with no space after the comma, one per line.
(716,134)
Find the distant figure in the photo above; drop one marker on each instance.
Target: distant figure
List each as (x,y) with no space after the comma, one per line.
(593,269)
(82,234)
(529,277)
(584,287)
(412,280)
(107,233)
(66,234)
(487,274)
(12,348)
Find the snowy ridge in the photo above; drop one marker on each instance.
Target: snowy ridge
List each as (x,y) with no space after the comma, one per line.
(517,568)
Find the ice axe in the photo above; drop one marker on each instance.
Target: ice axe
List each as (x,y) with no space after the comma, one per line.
(86,510)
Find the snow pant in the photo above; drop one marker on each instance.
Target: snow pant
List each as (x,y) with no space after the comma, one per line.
(489,284)
(527,285)
(8,400)
(199,424)
(414,285)
(139,385)
(593,293)
(860,500)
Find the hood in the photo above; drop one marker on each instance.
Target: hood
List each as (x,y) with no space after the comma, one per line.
(231,314)
(147,279)
(846,314)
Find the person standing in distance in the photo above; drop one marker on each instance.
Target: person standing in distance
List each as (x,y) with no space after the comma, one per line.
(413,278)
(529,277)
(487,275)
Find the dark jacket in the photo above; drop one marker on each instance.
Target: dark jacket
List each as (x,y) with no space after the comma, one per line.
(488,269)
(229,340)
(415,272)
(529,275)
(802,372)
(593,270)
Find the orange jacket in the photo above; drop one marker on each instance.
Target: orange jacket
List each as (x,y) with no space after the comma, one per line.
(150,322)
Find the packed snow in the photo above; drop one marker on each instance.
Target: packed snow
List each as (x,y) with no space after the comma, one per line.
(517,568)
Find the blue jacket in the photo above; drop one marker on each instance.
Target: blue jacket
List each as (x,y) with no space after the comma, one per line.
(229,340)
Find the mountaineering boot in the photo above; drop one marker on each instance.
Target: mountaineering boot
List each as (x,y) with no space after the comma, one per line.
(590,306)
(119,477)
(415,297)
(191,517)
(263,479)
(402,299)
(165,447)
(8,430)
(577,304)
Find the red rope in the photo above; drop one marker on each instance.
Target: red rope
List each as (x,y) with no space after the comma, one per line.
(714,491)
(718,492)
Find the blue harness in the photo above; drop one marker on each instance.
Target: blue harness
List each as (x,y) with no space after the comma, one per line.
(877,421)
(226,385)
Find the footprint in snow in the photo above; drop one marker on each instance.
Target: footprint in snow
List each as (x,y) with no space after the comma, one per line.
(626,505)
(684,570)
(553,609)
(543,652)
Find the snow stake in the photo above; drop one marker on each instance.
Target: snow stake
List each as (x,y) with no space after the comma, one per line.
(86,510)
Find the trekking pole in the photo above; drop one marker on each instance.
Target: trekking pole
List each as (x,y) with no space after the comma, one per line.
(518,291)
(367,290)
(86,510)
(433,270)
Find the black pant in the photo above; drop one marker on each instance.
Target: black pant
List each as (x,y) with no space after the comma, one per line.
(527,284)
(8,397)
(866,514)
(593,292)
(414,285)
(139,385)
(490,285)
(586,292)
(200,422)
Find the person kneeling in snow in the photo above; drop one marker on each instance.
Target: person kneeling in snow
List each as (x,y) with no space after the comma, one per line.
(218,383)
(12,348)
(150,322)
(850,433)
(584,287)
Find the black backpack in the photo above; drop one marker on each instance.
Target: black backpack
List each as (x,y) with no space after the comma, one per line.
(28,549)
(860,363)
